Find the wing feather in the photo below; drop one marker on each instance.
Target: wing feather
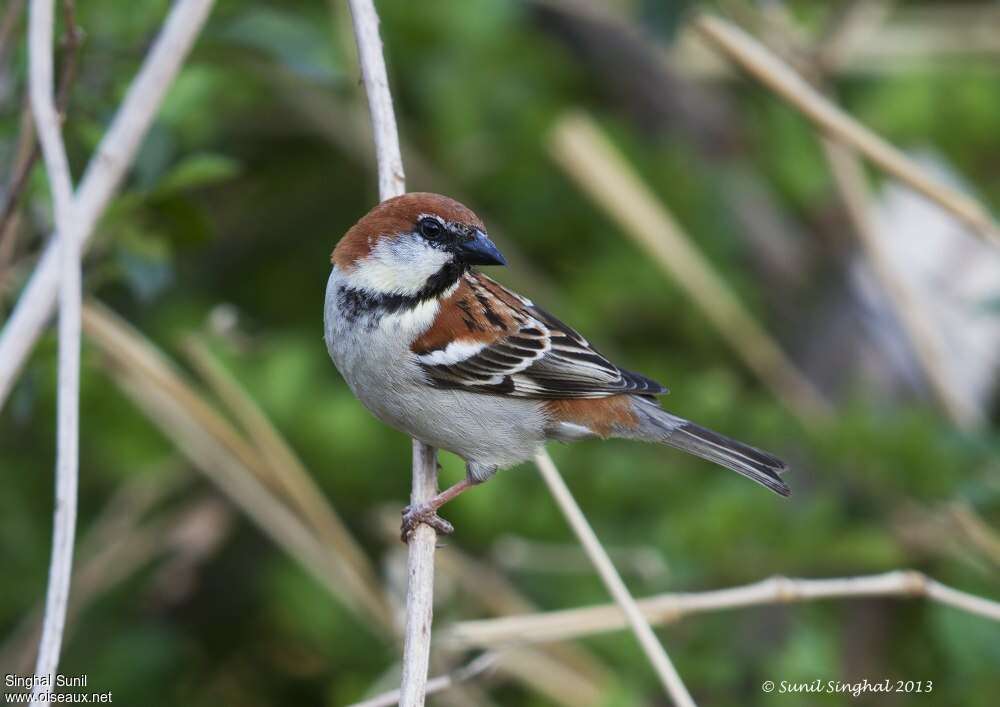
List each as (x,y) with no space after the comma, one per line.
(525,351)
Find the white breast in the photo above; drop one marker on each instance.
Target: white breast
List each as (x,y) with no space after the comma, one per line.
(374,357)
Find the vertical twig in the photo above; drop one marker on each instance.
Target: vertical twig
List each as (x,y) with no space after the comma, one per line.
(419,584)
(391,180)
(40,30)
(11,18)
(654,651)
(101,180)
(27,151)
(420,568)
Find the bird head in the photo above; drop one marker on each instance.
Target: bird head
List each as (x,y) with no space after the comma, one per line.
(412,245)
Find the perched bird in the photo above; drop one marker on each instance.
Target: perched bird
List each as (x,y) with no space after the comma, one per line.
(445,354)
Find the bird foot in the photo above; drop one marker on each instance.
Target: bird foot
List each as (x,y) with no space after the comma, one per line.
(423,513)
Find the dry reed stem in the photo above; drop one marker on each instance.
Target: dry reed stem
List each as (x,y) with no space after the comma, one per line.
(211,443)
(391,182)
(565,674)
(849,177)
(653,649)
(774,73)
(104,174)
(288,471)
(599,168)
(977,531)
(26,151)
(41,23)
(666,608)
(948,38)
(587,677)
(345,125)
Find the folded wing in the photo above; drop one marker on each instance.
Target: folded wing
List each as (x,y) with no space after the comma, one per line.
(490,340)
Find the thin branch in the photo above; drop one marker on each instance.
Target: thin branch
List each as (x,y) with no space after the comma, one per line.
(71,60)
(41,21)
(104,174)
(391,179)
(420,583)
(782,79)
(564,673)
(391,182)
(939,40)
(26,156)
(587,156)
(25,152)
(466,672)
(857,21)
(667,608)
(11,18)
(602,563)
(976,530)
(27,149)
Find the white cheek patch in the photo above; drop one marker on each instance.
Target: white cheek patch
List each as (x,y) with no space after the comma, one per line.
(454,352)
(399,265)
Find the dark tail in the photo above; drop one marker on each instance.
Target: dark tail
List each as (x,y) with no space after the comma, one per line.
(659,425)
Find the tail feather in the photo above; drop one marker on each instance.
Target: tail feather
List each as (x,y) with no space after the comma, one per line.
(659,425)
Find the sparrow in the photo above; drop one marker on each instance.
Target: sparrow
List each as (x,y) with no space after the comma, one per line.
(437,350)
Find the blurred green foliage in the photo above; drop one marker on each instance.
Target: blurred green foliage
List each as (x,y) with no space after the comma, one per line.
(237,199)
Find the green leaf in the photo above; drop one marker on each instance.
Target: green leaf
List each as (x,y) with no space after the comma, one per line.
(198,170)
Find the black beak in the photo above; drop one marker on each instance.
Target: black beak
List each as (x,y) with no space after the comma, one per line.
(479,250)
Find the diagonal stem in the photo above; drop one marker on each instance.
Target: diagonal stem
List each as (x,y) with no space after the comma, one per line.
(104,174)
(654,651)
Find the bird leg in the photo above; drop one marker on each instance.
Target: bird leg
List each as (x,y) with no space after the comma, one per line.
(426,512)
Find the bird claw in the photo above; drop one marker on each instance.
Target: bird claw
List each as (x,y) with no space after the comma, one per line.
(426,514)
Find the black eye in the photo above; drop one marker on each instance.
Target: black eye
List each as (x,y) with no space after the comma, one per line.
(431,229)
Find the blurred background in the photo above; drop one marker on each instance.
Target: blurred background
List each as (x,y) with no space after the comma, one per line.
(239,508)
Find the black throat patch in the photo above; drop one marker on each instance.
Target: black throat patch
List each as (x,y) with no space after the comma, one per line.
(356,303)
